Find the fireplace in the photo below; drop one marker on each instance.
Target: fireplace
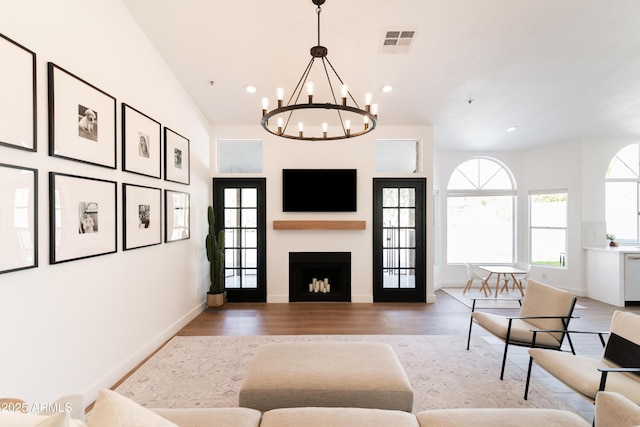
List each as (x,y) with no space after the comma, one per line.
(319,276)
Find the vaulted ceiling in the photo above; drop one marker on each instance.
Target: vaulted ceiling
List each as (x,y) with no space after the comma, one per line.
(555,69)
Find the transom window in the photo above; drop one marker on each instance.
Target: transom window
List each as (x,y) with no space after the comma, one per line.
(480,213)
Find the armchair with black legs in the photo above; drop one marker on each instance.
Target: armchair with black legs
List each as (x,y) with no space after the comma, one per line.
(543,307)
(618,369)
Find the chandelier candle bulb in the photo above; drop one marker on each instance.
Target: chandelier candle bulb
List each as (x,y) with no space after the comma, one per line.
(310,92)
(344,89)
(325,128)
(280,124)
(374,109)
(367,98)
(280,96)
(265,106)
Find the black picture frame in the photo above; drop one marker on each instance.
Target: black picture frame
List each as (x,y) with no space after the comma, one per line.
(18,96)
(18,218)
(177,157)
(82,120)
(177,214)
(141,143)
(82,217)
(142,216)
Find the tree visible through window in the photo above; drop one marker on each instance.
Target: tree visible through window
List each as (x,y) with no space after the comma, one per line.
(480,213)
(622,203)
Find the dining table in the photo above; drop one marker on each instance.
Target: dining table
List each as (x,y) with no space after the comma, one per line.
(505,271)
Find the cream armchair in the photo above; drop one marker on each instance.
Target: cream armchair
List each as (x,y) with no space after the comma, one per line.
(543,307)
(618,369)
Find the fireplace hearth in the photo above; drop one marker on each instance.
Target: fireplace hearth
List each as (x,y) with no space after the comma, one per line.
(333,268)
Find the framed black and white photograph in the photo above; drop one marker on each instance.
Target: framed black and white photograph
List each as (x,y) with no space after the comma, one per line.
(141,146)
(176,216)
(176,157)
(82,120)
(18,122)
(82,217)
(18,218)
(141,213)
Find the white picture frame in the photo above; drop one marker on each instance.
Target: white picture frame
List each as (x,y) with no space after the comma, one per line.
(177,157)
(141,148)
(177,216)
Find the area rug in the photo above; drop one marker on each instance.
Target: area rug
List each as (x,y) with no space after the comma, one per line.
(192,372)
(505,299)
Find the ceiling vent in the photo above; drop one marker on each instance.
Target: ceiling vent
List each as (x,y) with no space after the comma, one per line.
(395,41)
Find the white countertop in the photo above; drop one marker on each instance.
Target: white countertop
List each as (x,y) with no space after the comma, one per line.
(615,249)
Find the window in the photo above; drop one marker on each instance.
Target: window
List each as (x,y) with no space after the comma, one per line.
(400,156)
(239,156)
(622,201)
(548,227)
(480,213)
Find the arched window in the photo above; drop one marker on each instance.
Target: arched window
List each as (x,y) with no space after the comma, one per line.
(480,213)
(622,201)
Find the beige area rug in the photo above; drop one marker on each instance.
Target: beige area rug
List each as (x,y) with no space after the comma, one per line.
(504,300)
(192,372)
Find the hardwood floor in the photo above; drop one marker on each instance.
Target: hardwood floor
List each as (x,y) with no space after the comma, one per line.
(446,317)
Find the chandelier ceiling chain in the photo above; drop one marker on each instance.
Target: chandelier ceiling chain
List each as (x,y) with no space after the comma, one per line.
(342,128)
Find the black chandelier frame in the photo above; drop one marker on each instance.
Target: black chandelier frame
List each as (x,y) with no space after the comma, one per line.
(287,111)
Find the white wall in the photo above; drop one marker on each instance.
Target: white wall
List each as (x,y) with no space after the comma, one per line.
(359,153)
(557,166)
(80,326)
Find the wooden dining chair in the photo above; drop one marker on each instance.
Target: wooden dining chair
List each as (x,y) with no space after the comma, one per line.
(475,273)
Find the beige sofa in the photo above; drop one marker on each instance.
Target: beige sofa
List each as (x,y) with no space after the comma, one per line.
(114,410)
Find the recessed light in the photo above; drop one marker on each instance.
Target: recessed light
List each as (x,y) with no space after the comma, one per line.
(387,88)
(512,129)
(251,88)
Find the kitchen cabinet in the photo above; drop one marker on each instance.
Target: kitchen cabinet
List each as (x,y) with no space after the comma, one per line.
(613,274)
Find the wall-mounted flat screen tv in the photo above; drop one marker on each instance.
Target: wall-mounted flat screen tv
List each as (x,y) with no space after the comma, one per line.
(319,190)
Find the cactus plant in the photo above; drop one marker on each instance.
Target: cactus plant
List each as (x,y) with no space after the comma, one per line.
(215,254)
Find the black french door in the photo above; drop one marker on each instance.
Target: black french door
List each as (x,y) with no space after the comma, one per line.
(399,240)
(240,209)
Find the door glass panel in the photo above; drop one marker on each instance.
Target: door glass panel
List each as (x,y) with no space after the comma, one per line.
(389,279)
(390,258)
(231,198)
(407,278)
(408,238)
(250,278)
(407,217)
(390,197)
(230,218)
(249,218)
(390,217)
(249,238)
(249,258)
(407,197)
(390,238)
(249,198)
(407,258)
(230,238)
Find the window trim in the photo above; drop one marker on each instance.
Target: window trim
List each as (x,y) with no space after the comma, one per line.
(565,228)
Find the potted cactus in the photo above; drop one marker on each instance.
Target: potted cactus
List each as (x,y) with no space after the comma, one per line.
(216,297)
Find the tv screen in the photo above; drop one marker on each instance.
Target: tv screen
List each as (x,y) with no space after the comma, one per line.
(319,190)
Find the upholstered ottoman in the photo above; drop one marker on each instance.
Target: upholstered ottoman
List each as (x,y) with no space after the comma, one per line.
(330,374)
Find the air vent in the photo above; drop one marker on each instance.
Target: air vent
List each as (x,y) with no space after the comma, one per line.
(394,41)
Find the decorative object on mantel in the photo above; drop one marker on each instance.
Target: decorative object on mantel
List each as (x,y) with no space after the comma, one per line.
(612,240)
(323,112)
(216,297)
(319,286)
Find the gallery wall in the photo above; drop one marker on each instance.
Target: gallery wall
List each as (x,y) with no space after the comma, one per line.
(79,326)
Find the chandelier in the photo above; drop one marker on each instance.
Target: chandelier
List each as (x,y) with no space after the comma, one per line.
(329,120)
